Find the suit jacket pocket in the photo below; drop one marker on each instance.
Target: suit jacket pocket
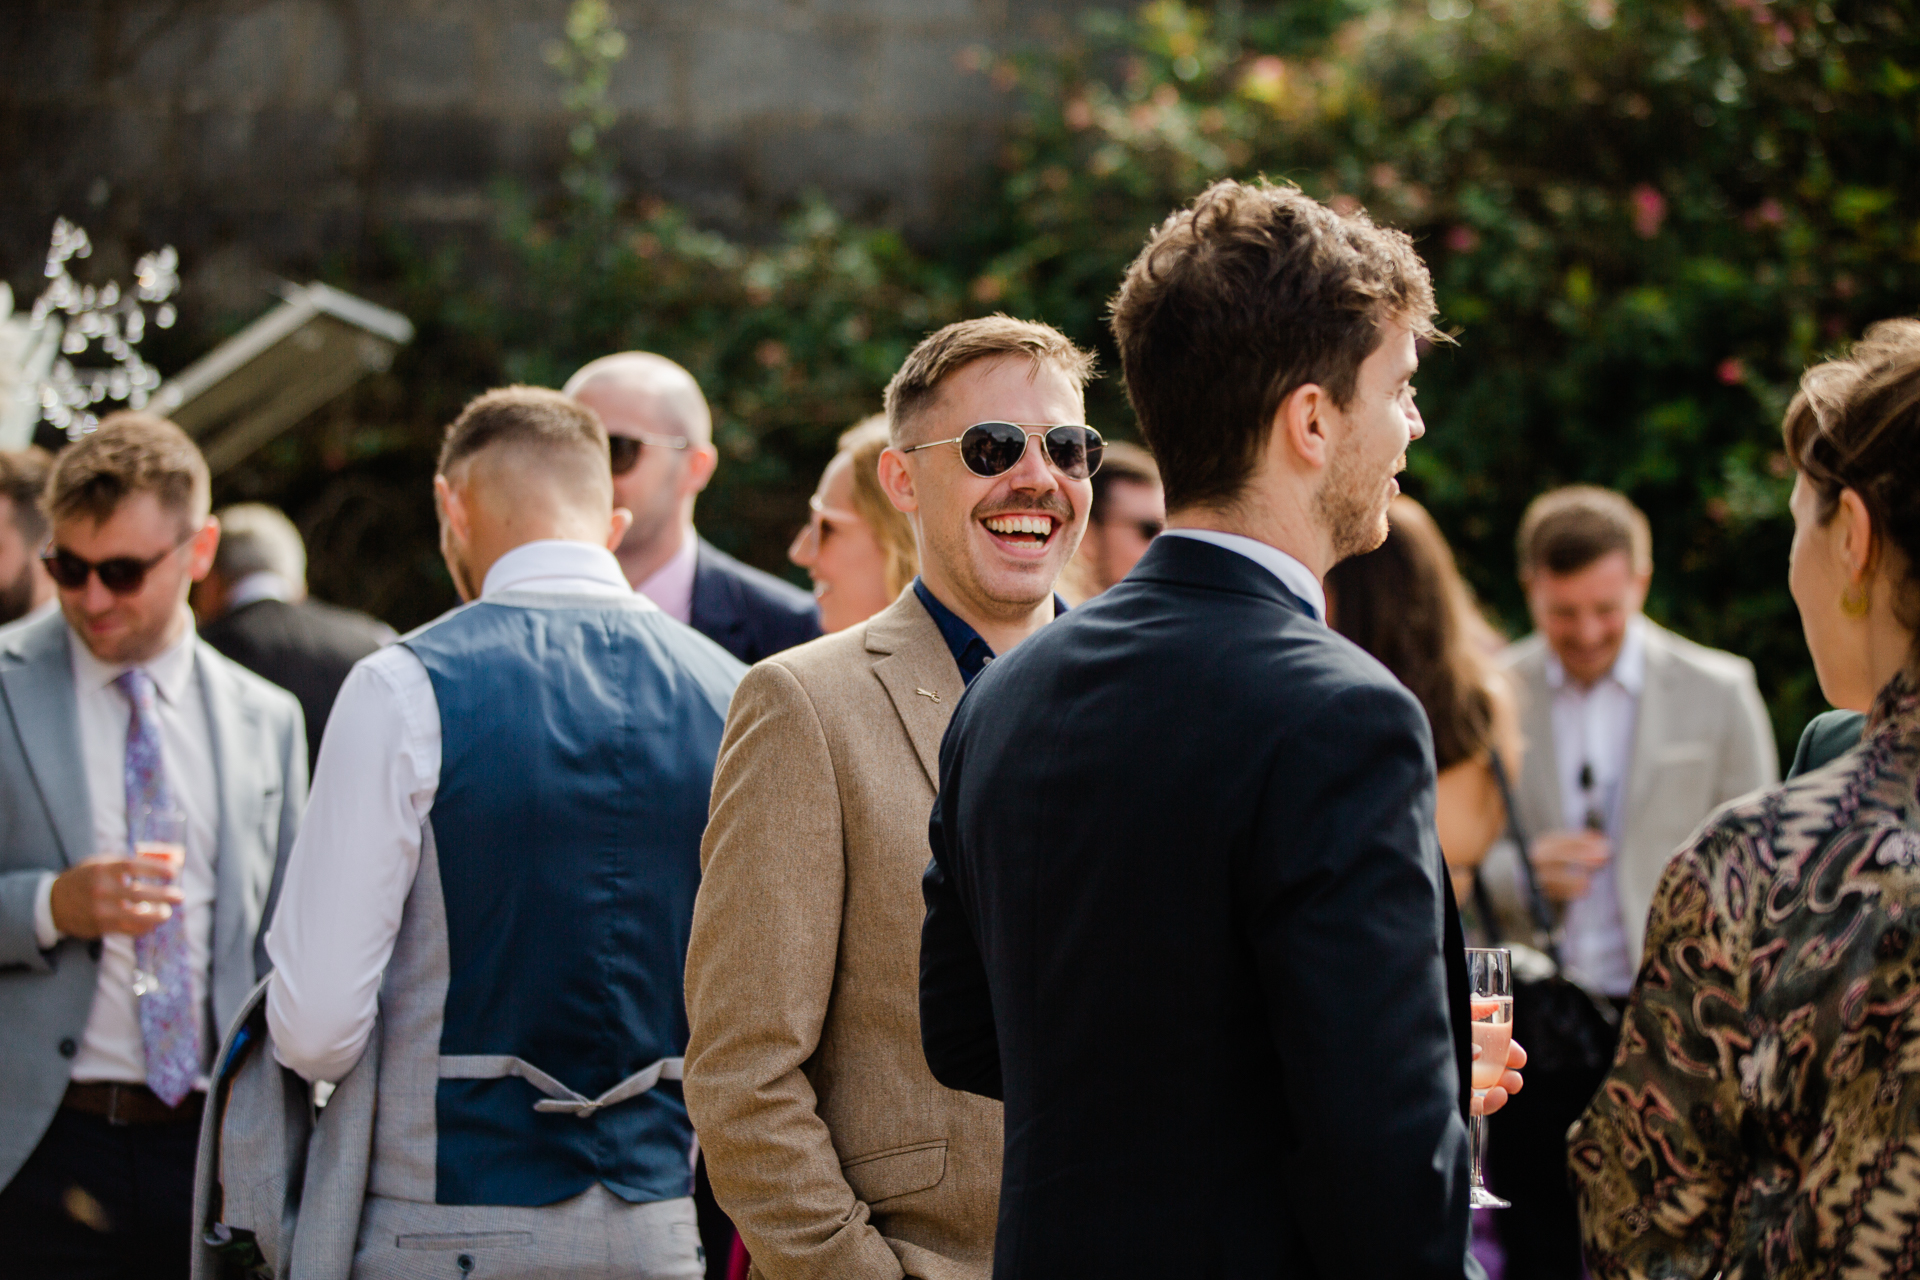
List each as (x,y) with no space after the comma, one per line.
(897,1171)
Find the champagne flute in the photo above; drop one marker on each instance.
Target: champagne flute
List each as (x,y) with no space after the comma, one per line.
(158,833)
(1490,996)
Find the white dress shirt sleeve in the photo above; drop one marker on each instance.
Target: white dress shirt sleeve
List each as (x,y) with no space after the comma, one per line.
(353,865)
(45,932)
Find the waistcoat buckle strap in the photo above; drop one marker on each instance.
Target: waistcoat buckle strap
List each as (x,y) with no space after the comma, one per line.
(487,1066)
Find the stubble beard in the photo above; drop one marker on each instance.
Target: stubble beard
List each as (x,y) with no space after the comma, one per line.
(1352,505)
(16,598)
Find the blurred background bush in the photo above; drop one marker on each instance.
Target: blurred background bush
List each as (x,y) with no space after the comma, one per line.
(1644,219)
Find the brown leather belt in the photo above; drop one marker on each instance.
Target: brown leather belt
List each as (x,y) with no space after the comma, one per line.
(131,1103)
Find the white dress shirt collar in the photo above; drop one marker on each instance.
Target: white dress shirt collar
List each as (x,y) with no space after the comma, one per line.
(1293,575)
(558,567)
(1629,669)
(171,669)
(263,585)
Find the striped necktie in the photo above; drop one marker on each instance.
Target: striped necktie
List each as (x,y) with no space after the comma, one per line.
(169,1031)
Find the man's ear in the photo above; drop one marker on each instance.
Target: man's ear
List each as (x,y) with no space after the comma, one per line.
(617,526)
(1638,596)
(1301,424)
(449,507)
(205,543)
(701,462)
(896,480)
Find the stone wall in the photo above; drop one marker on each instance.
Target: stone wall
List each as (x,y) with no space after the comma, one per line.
(268,136)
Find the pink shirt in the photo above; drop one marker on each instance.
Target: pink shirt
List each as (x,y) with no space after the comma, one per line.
(671,586)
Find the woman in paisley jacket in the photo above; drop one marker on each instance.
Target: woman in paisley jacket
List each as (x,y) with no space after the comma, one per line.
(1762,1118)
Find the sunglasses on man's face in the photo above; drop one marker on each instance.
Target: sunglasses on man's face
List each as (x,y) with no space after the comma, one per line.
(624,450)
(122,575)
(992,449)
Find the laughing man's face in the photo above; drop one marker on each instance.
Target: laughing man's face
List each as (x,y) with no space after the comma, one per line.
(998,543)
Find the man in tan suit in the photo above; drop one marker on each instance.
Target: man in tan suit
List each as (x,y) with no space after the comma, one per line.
(827,1139)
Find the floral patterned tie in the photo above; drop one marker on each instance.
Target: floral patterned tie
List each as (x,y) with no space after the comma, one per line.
(168,1028)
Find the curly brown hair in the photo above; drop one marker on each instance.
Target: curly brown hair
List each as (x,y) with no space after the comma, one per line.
(1248,293)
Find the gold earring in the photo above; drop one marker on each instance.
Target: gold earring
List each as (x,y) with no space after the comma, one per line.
(1855,602)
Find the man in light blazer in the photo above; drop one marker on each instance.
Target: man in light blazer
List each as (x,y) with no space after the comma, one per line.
(1633,736)
(828,1141)
(111,710)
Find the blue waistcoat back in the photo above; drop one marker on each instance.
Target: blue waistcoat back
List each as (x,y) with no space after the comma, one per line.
(578,736)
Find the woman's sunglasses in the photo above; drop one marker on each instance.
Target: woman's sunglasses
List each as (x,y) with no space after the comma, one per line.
(121,575)
(624,451)
(992,449)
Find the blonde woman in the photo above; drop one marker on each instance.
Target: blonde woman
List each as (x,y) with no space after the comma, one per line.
(857,549)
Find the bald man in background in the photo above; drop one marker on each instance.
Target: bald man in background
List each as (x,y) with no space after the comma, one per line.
(661,436)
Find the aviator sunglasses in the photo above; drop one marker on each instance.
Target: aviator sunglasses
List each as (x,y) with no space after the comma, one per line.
(992,449)
(624,450)
(121,575)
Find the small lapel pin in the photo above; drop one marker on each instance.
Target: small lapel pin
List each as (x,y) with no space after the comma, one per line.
(928,693)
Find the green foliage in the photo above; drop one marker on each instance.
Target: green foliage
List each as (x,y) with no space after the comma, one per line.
(1644,218)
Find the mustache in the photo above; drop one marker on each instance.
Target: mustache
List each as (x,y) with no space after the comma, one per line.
(1051,505)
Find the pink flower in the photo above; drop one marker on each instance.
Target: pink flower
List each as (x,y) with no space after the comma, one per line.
(1769,213)
(1649,211)
(1732,371)
(1462,238)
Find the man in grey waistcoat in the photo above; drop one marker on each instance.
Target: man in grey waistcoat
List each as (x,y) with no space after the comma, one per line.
(500,862)
(118,973)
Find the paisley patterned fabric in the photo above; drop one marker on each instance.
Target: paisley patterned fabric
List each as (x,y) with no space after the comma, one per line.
(1762,1118)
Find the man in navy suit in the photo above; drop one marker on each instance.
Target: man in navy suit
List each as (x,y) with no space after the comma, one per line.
(1187,913)
(661,434)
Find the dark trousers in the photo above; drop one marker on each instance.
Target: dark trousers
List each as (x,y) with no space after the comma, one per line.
(101,1201)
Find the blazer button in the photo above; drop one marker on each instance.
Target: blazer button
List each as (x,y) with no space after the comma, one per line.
(93,949)
(68,1047)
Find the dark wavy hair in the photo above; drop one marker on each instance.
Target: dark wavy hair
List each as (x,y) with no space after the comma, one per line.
(1406,604)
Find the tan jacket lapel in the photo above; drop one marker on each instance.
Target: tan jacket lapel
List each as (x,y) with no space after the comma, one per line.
(919,674)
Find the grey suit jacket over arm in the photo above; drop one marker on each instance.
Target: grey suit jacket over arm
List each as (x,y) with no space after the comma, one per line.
(46,825)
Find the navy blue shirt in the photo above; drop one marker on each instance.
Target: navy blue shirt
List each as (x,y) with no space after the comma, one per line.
(970,652)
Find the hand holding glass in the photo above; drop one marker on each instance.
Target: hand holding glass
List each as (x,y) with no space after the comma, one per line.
(1490,997)
(159,836)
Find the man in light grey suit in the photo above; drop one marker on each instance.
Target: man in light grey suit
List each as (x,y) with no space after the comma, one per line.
(123,736)
(1633,736)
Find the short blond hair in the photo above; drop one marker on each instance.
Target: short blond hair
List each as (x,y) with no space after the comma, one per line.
(863,443)
(946,351)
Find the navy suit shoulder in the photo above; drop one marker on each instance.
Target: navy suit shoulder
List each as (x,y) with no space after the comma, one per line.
(1183,865)
(749,613)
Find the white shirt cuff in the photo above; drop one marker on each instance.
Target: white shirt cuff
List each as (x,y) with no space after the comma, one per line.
(43,931)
